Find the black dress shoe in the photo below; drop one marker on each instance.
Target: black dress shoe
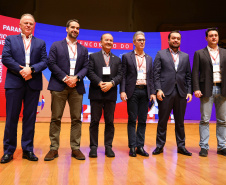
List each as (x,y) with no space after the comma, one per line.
(6,158)
(109,152)
(157,151)
(222,152)
(203,152)
(132,152)
(184,151)
(93,153)
(29,156)
(141,151)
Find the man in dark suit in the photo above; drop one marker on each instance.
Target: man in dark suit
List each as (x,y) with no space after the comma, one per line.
(104,74)
(137,88)
(25,57)
(209,84)
(172,78)
(68,62)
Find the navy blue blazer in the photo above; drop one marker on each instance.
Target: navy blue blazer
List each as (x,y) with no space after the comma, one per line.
(166,76)
(95,75)
(59,65)
(129,68)
(13,55)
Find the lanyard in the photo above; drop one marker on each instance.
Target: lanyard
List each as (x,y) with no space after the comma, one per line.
(107,62)
(26,47)
(174,59)
(74,52)
(214,59)
(140,63)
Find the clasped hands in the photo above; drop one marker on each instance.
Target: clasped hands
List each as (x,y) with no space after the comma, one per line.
(25,72)
(105,86)
(71,81)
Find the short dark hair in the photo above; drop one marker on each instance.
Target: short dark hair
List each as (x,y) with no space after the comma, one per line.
(175,31)
(105,34)
(211,29)
(72,20)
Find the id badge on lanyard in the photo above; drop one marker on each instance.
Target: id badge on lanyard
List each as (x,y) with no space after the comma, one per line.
(140,74)
(72,66)
(106,70)
(27,59)
(216,68)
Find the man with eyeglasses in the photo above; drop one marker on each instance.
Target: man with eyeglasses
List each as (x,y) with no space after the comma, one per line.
(104,74)
(137,89)
(172,78)
(209,85)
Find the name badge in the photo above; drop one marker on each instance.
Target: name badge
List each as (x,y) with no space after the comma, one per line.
(140,74)
(216,68)
(106,70)
(27,58)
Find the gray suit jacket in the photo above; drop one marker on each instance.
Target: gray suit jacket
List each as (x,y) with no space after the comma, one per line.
(166,76)
(202,72)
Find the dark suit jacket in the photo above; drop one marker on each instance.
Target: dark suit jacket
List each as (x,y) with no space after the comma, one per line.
(202,72)
(59,65)
(129,68)
(13,55)
(165,75)
(95,75)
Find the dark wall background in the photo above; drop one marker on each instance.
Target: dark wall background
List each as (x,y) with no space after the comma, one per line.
(125,15)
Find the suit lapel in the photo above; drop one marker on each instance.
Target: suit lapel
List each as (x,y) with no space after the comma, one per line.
(79,52)
(65,47)
(147,63)
(20,40)
(32,44)
(180,60)
(101,57)
(221,57)
(112,57)
(206,53)
(134,60)
(170,58)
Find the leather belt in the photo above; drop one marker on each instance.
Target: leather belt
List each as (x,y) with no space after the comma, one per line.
(141,86)
(216,84)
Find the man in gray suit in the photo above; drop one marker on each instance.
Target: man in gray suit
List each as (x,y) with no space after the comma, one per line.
(172,78)
(209,84)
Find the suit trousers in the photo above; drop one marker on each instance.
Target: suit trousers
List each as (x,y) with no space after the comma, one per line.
(59,99)
(14,99)
(108,108)
(206,104)
(137,106)
(178,104)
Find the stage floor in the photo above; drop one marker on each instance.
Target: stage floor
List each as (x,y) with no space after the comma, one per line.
(166,168)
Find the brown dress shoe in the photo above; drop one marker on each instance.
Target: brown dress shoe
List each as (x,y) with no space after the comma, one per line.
(77,154)
(51,155)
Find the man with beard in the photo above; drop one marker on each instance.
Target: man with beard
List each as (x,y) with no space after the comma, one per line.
(68,62)
(172,78)
(25,58)
(209,84)
(137,88)
(104,74)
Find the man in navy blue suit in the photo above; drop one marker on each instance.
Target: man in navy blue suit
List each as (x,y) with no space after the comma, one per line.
(25,58)
(68,62)
(137,88)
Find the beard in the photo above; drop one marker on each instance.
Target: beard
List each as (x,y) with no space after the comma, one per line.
(72,36)
(174,46)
